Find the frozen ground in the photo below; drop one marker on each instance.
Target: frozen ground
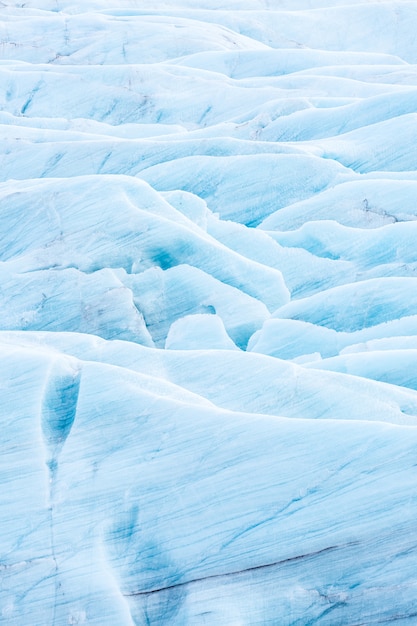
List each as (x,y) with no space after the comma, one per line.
(208,329)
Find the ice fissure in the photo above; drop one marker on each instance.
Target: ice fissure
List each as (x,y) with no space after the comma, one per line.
(249,569)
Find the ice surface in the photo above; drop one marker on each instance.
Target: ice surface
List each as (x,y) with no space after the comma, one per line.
(370,202)
(208,329)
(199,331)
(365,303)
(395,366)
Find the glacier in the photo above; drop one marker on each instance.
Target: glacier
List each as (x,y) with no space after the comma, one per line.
(208,329)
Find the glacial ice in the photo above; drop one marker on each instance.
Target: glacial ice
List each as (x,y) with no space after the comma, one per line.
(208,329)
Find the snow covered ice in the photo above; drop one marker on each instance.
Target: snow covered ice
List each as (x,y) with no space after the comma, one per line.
(208,329)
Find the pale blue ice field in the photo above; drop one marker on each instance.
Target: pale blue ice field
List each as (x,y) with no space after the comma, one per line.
(208,312)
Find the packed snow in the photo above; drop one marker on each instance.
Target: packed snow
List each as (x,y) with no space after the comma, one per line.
(208,330)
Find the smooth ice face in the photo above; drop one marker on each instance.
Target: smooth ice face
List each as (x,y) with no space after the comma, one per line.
(134,535)
(199,331)
(208,329)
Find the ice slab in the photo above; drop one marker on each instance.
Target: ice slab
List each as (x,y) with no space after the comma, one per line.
(166,517)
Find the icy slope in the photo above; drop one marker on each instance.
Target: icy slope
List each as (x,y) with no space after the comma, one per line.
(208,330)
